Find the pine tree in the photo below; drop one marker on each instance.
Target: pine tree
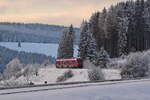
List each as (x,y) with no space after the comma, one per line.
(82,52)
(94,28)
(92,47)
(123,22)
(66,47)
(131,37)
(102,58)
(147,24)
(139,25)
(102,34)
(112,32)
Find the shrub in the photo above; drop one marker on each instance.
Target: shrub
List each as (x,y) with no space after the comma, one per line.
(31,69)
(95,74)
(136,66)
(13,68)
(68,74)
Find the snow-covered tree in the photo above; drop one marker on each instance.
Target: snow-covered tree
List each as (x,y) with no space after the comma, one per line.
(102,58)
(13,68)
(83,45)
(66,47)
(139,25)
(112,32)
(147,24)
(91,48)
(102,33)
(94,27)
(123,22)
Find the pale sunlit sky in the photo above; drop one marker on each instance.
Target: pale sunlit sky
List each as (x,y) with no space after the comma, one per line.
(58,12)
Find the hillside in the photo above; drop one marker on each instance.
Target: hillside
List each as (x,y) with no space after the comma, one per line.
(6,55)
(37,33)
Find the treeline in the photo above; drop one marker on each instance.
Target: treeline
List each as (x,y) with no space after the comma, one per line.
(37,33)
(9,36)
(6,55)
(121,29)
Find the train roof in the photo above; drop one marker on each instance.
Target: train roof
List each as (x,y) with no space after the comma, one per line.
(71,59)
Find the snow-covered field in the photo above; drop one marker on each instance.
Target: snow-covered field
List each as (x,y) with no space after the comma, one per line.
(50,74)
(41,48)
(121,91)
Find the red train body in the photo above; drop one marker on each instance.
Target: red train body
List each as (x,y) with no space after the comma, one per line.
(69,63)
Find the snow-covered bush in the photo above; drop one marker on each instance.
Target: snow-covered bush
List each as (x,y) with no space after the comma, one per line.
(116,63)
(13,68)
(66,75)
(12,82)
(136,65)
(95,74)
(31,69)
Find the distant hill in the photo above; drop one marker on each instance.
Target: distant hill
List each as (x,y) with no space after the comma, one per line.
(36,33)
(6,55)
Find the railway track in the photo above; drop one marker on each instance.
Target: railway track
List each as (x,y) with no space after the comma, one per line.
(58,86)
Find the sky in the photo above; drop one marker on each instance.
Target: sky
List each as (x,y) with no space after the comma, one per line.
(57,12)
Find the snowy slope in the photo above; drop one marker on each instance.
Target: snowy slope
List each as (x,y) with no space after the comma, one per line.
(49,49)
(122,91)
(50,74)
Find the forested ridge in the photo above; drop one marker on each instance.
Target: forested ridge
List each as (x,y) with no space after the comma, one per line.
(6,55)
(34,32)
(120,29)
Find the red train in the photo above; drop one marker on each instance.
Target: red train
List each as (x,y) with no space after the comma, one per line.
(69,63)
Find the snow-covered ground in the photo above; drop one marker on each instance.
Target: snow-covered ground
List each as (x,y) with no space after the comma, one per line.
(49,49)
(121,91)
(50,74)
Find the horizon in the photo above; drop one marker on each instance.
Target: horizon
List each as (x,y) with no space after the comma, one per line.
(64,12)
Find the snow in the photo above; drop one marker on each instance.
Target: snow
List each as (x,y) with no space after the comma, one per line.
(120,91)
(111,74)
(50,74)
(49,49)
